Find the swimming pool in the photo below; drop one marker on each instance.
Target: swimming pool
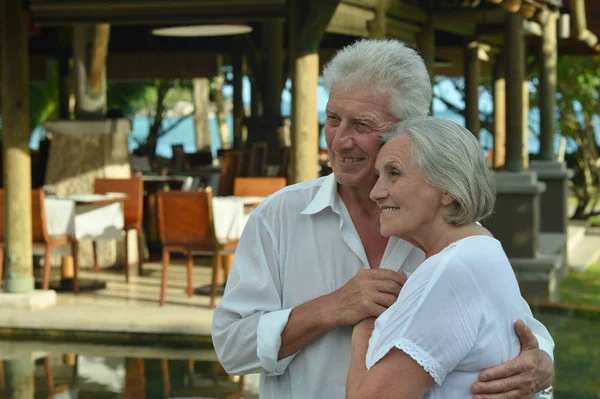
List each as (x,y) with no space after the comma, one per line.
(90,371)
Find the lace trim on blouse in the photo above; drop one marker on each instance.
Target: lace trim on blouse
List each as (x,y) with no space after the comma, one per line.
(418,355)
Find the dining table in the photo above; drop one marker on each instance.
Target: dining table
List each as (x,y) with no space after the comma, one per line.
(230,215)
(95,217)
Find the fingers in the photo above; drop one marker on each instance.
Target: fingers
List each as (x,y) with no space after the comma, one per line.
(506,395)
(505,370)
(513,387)
(526,337)
(387,287)
(387,274)
(385,300)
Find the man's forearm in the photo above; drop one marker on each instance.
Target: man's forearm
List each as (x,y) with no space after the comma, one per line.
(306,323)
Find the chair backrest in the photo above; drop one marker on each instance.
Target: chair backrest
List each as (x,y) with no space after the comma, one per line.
(200,158)
(257,186)
(231,166)
(39,229)
(186,218)
(133,188)
(257,164)
(284,162)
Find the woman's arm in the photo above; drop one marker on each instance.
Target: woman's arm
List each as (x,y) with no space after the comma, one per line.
(396,375)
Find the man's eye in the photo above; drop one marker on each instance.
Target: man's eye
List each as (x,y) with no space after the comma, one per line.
(395,173)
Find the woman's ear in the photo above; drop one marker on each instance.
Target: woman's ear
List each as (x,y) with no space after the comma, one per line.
(447,199)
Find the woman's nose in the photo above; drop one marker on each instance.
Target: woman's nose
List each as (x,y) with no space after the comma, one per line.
(378,192)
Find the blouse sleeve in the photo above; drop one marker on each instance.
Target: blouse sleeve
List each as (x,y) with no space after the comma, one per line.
(435,319)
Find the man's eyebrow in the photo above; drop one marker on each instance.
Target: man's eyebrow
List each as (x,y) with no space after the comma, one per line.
(330,111)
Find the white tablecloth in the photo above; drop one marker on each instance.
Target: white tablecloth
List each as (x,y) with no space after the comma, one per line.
(231,215)
(85,221)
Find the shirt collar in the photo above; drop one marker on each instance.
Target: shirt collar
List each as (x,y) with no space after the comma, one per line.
(326,196)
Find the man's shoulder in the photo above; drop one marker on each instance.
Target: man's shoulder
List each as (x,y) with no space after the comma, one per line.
(294,197)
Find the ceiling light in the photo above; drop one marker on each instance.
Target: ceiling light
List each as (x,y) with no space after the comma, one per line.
(202,30)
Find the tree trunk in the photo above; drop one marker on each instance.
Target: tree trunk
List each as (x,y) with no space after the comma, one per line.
(90,48)
(220,105)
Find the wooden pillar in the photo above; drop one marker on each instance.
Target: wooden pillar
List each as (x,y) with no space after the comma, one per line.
(499,113)
(272,40)
(307,23)
(525,129)
(201,91)
(515,72)
(20,373)
(472,76)
(238,103)
(426,43)
(90,48)
(18,263)
(378,26)
(548,62)
(305,122)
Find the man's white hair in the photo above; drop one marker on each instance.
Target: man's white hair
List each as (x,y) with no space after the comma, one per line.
(388,67)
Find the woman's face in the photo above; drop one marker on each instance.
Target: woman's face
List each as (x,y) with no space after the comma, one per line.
(408,203)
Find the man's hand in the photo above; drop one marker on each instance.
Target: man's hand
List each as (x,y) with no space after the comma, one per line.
(368,294)
(530,372)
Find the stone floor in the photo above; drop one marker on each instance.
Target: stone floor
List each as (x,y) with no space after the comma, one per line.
(124,308)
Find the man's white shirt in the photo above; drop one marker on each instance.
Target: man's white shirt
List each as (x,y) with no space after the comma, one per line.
(298,245)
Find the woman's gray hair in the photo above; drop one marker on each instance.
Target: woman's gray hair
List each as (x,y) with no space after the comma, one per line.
(387,66)
(452,160)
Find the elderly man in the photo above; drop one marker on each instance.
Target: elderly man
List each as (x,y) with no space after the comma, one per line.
(312,263)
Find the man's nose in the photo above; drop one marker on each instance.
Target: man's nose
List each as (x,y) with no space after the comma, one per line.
(342,139)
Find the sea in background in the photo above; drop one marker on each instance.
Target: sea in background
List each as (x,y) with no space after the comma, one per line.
(184,134)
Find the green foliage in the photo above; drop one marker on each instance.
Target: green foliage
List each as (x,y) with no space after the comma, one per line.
(131,97)
(43,98)
(581,287)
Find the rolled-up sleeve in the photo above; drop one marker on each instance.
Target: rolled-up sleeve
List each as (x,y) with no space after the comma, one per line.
(270,327)
(248,321)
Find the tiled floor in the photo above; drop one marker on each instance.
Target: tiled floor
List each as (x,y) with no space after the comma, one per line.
(122,307)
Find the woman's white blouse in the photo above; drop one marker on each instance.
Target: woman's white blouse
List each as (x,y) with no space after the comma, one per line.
(455,316)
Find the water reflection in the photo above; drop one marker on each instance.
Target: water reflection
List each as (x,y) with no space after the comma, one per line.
(88,375)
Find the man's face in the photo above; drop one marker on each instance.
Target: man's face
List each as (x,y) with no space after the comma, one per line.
(354,121)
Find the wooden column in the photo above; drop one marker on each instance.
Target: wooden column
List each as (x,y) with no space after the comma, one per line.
(18,265)
(305,122)
(238,103)
(499,113)
(426,43)
(525,129)
(308,20)
(515,72)
(272,40)
(201,91)
(472,76)
(548,59)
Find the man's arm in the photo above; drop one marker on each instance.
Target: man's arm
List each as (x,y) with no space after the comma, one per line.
(252,333)
(532,371)
(368,294)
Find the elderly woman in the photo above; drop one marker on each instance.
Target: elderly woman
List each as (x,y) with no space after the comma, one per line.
(454,316)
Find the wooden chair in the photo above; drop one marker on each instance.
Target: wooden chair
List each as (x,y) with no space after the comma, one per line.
(257,186)
(257,163)
(41,238)
(231,167)
(133,208)
(284,162)
(186,225)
